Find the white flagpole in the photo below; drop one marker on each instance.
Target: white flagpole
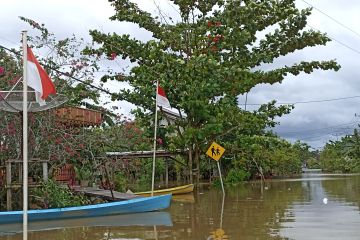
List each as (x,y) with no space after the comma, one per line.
(25,138)
(155,129)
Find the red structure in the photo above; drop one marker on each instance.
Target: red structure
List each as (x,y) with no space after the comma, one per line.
(66,174)
(77,116)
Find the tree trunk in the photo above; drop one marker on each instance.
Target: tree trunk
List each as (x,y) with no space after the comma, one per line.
(197,162)
(190,164)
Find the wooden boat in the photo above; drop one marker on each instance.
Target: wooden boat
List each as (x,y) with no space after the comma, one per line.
(136,205)
(175,190)
(134,219)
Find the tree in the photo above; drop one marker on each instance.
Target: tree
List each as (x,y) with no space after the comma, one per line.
(342,155)
(303,150)
(208,57)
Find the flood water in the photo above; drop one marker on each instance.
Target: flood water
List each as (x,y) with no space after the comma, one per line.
(313,206)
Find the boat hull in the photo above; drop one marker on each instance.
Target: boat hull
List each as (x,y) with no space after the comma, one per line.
(174,191)
(136,205)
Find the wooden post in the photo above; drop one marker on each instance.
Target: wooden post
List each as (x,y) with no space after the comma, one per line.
(197,162)
(20,172)
(8,186)
(166,173)
(45,170)
(190,165)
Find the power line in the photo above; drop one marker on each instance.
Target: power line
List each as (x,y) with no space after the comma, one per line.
(305,102)
(335,40)
(9,41)
(340,132)
(332,18)
(317,136)
(338,22)
(317,129)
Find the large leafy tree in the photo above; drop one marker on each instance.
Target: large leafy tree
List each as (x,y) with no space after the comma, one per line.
(208,56)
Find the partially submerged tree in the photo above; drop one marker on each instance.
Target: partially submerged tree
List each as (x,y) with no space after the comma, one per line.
(212,53)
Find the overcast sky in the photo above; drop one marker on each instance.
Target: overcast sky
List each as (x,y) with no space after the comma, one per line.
(314,123)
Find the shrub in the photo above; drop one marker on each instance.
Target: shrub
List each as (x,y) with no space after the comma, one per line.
(53,195)
(120,182)
(236,176)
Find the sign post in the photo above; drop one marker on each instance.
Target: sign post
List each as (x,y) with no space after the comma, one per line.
(222,184)
(215,151)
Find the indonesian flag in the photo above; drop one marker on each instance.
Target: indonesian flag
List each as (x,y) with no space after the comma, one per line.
(161,98)
(38,79)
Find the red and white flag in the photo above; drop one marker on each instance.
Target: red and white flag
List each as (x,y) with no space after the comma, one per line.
(161,98)
(38,79)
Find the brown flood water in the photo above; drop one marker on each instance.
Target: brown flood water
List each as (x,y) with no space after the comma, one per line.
(313,206)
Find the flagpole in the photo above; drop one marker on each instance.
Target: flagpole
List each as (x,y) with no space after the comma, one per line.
(25,138)
(155,129)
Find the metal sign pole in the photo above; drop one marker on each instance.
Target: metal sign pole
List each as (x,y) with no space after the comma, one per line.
(25,138)
(222,184)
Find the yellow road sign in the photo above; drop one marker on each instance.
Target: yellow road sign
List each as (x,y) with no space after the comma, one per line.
(215,151)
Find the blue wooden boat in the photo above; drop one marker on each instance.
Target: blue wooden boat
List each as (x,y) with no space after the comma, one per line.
(136,205)
(133,219)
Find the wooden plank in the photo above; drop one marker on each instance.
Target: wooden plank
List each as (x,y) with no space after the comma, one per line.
(104,194)
(79,116)
(8,183)
(144,154)
(19,185)
(32,160)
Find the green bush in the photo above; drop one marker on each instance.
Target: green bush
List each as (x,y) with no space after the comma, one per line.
(84,172)
(217,183)
(313,163)
(120,182)
(236,176)
(53,195)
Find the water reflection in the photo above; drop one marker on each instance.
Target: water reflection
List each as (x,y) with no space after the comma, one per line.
(249,212)
(85,225)
(330,210)
(219,234)
(280,209)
